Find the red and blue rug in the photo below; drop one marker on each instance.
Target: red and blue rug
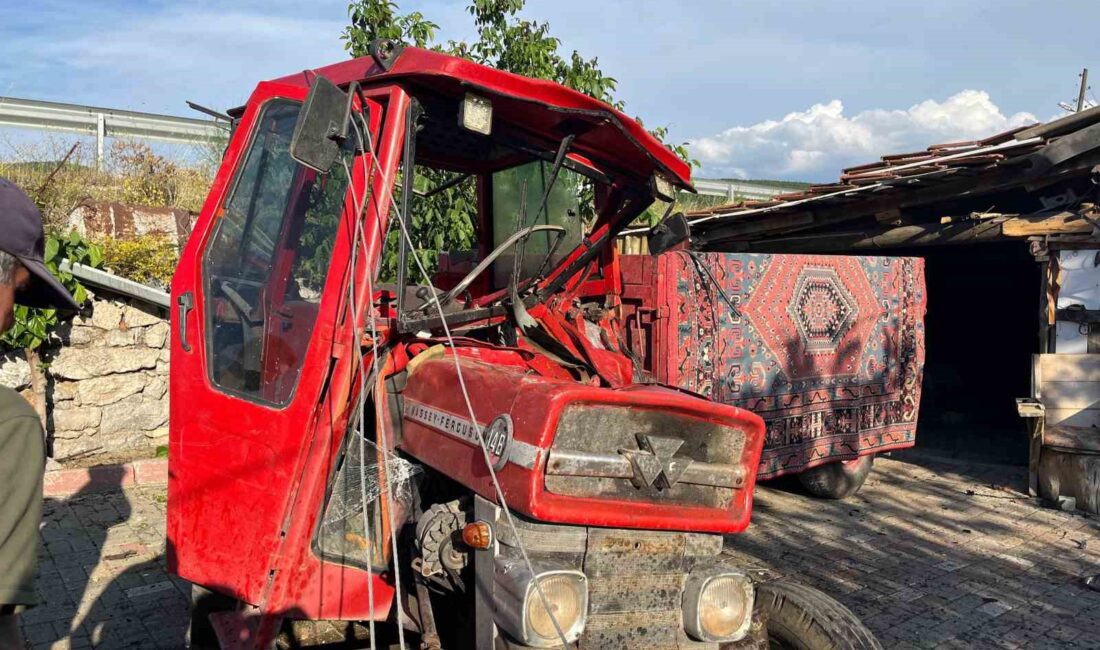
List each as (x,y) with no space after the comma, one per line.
(829,350)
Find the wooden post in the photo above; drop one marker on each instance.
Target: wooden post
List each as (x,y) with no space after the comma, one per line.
(1035,424)
(1044,307)
(1084,87)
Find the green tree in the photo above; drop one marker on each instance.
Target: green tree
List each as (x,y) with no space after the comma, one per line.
(505,41)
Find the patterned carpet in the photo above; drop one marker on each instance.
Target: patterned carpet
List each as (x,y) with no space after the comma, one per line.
(829,350)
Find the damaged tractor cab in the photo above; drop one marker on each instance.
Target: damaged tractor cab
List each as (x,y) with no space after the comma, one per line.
(451,445)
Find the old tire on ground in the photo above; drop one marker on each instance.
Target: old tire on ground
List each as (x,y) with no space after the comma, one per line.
(837,480)
(804,618)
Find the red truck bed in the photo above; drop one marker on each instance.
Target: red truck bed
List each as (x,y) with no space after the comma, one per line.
(829,350)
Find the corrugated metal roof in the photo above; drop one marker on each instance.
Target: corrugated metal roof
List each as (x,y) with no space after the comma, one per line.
(1014,155)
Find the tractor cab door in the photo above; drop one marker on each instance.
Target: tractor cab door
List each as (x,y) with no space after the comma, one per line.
(257,295)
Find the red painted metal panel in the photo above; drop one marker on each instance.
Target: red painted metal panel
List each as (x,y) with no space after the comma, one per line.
(537,104)
(246,480)
(829,350)
(535,404)
(220,464)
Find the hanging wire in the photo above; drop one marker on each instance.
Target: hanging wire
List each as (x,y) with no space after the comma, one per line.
(362,388)
(389,461)
(379,425)
(461,382)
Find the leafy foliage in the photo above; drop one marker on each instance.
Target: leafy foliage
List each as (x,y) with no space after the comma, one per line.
(440,222)
(32,326)
(150,259)
(376,19)
(505,41)
(315,244)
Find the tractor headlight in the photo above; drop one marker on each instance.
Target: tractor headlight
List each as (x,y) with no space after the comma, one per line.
(523,614)
(567,596)
(718,605)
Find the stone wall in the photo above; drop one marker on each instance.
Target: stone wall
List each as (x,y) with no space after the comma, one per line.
(106,377)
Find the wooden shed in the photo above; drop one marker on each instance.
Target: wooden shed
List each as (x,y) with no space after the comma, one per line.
(1009,227)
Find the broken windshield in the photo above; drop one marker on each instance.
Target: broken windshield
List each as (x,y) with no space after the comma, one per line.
(474,222)
(565,206)
(471,199)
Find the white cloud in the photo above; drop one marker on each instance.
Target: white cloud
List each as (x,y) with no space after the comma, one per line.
(154,56)
(817,143)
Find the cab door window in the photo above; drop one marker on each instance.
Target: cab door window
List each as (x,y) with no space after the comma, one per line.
(564,207)
(266,264)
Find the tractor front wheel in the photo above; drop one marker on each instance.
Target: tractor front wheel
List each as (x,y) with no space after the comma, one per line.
(802,618)
(837,480)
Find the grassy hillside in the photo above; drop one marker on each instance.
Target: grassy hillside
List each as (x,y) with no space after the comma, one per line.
(789,185)
(58,177)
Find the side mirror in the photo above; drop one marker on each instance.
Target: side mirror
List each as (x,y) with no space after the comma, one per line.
(322,126)
(669,233)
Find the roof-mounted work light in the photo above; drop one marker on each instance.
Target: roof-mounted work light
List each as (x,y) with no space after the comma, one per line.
(662,188)
(476,114)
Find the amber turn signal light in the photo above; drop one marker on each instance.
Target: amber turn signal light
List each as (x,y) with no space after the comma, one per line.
(477,535)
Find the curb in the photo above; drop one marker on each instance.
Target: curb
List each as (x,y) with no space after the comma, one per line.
(105,478)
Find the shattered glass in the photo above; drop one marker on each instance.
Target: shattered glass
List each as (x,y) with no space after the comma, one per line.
(360,478)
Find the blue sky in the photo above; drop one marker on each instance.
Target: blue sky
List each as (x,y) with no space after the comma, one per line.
(794,89)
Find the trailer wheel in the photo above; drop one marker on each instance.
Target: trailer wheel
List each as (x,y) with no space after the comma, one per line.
(803,618)
(837,480)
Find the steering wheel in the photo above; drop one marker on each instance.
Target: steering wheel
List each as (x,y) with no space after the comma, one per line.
(239,304)
(250,327)
(520,234)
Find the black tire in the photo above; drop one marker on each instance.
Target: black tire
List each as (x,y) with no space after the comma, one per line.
(803,618)
(204,602)
(837,480)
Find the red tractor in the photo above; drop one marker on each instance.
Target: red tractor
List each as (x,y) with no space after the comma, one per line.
(453,449)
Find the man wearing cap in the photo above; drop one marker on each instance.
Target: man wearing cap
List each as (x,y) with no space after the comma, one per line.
(24,279)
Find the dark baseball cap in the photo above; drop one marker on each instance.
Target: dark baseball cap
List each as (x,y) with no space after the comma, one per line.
(21,235)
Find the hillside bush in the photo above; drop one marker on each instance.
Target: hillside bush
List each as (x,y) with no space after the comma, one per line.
(150,259)
(61,173)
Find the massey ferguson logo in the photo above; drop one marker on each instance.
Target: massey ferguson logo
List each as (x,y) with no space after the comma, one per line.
(497,434)
(654,463)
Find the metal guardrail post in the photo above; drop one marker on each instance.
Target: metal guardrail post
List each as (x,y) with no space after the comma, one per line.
(732,190)
(107,122)
(100,137)
(119,285)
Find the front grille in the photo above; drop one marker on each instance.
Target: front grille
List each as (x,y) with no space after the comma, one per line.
(653,456)
(635,585)
(635,579)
